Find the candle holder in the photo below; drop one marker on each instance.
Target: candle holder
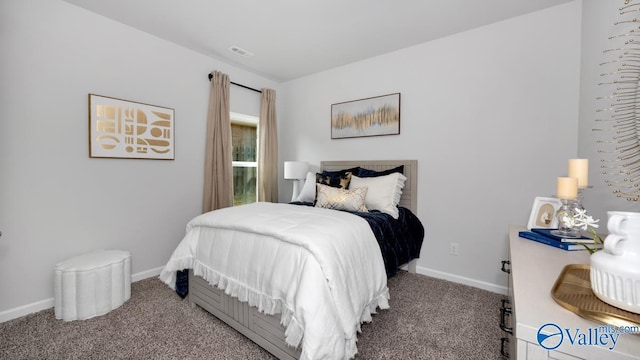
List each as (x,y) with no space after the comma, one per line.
(578,200)
(581,197)
(566,214)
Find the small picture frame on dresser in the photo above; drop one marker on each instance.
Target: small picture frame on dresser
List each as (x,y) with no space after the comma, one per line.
(543,213)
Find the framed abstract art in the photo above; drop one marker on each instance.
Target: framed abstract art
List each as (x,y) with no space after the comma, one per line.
(131,130)
(374,116)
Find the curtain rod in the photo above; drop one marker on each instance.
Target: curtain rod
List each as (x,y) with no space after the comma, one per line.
(236,84)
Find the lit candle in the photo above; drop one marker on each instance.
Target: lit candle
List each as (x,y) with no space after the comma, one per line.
(567,188)
(579,168)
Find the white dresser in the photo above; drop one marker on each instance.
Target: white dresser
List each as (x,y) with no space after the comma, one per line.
(534,268)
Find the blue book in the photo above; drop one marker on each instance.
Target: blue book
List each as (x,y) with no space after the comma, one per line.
(550,241)
(547,232)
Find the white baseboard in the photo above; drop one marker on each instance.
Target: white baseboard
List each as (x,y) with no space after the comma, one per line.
(146,274)
(26,310)
(462,280)
(49,303)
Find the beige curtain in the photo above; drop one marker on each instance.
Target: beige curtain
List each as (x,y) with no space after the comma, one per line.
(268,148)
(218,168)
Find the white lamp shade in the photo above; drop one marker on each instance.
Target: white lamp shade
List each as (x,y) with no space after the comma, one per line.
(295,170)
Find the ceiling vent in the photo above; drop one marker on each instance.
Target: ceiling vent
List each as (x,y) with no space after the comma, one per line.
(240,51)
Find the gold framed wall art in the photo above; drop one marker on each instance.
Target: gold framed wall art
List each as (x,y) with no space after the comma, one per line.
(130,130)
(374,116)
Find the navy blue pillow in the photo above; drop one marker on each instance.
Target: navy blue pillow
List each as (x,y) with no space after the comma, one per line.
(339,179)
(364,173)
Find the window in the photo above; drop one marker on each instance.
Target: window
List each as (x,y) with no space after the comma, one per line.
(244,140)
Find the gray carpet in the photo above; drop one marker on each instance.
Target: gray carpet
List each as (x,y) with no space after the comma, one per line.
(428,319)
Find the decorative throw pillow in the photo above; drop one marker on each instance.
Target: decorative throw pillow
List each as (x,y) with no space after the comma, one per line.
(362,172)
(308,192)
(339,179)
(383,192)
(339,199)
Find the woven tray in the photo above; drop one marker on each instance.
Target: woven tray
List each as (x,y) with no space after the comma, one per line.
(572,291)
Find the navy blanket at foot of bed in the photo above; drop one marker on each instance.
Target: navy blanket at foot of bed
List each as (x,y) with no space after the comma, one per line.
(400,241)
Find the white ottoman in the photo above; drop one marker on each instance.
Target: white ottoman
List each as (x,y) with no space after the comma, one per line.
(91,284)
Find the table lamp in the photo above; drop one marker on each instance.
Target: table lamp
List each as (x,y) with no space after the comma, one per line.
(296,171)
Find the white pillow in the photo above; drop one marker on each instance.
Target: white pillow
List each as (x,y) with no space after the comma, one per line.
(340,199)
(383,192)
(308,192)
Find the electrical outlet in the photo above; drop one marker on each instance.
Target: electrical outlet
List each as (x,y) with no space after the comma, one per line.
(453,248)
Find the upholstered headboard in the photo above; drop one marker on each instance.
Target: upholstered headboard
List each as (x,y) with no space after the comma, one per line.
(409,198)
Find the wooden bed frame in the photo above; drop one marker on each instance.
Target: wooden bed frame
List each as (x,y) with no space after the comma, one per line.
(265,330)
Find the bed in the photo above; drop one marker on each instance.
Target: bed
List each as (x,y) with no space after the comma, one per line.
(299,313)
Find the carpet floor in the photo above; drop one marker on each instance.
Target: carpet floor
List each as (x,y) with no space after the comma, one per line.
(429,319)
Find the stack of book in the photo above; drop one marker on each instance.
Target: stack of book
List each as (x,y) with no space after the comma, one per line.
(570,244)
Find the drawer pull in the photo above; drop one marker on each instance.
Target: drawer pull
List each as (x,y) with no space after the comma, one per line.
(506,303)
(503,348)
(504,312)
(504,269)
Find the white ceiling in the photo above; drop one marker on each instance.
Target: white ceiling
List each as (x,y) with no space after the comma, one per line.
(294,38)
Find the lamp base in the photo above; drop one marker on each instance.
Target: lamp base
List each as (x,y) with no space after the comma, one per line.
(296,190)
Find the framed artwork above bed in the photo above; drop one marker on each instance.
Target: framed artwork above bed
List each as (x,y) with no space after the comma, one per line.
(374,116)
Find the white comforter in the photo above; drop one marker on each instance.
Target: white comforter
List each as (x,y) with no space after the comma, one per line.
(322,269)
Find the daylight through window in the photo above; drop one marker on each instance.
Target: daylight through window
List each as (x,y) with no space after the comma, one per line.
(244,139)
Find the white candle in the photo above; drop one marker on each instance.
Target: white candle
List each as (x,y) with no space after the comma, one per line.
(567,188)
(579,168)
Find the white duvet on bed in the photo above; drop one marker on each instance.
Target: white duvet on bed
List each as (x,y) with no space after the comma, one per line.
(322,269)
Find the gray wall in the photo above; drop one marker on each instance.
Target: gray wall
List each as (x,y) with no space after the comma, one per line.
(56,202)
(490,114)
